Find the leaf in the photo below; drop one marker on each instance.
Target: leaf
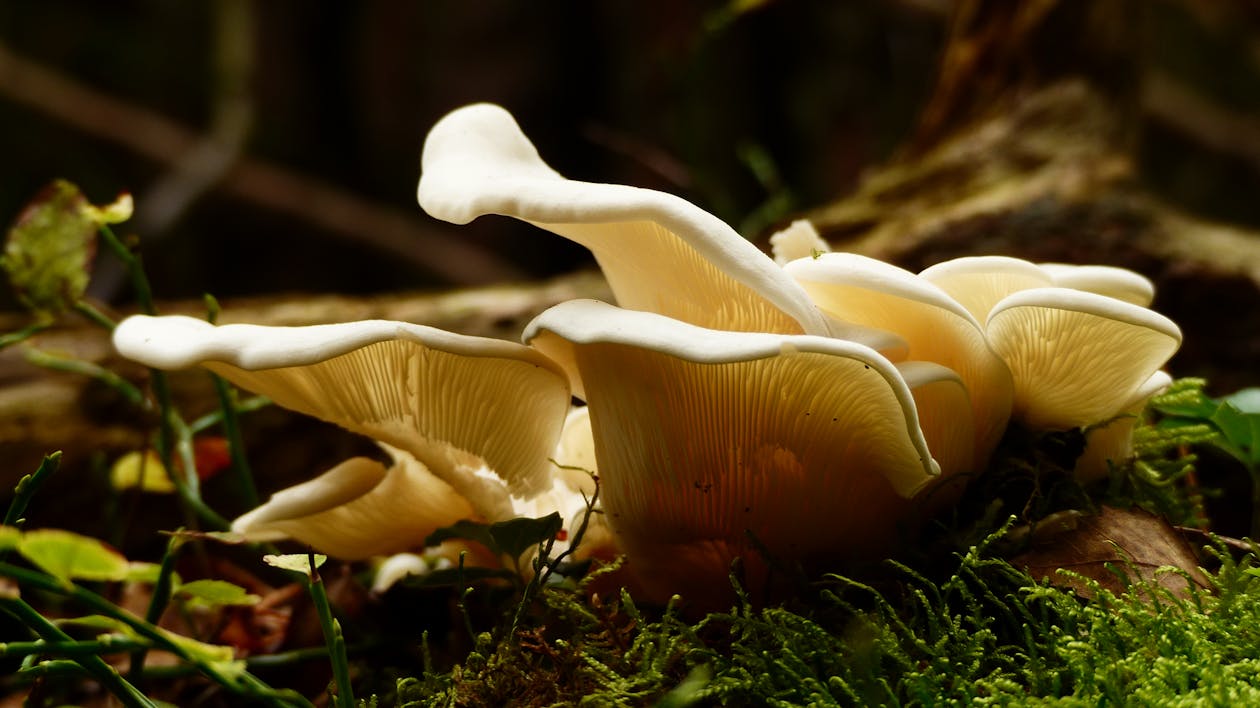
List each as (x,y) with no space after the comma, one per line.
(115,212)
(10,537)
(1128,541)
(230,538)
(1241,433)
(296,562)
(515,536)
(50,248)
(67,556)
(464,530)
(143,470)
(511,538)
(108,625)
(143,572)
(214,593)
(1246,400)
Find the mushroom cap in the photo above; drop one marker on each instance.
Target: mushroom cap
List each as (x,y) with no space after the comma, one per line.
(1077,357)
(359,509)
(455,403)
(660,253)
(934,326)
(811,444)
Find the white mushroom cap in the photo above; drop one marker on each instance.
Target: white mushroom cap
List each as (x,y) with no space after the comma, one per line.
(660,253)
(811,443)
(1120,283)
(979,282)
(934,326)
(358,509)
(451,401)
(1078,358)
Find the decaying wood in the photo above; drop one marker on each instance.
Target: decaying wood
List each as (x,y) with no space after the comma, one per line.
(1022,153)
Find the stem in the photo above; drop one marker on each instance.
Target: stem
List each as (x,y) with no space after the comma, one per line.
(157,378)
(157,605)
(11,338)
(55,362)
(332,637)
(106,674)
(244,683)
(186,484)
(236,445)
(213,418)
(95,316)
(72,647)
(27,486)
(135,268)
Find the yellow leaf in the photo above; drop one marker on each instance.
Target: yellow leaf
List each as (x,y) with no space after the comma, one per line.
(143,470)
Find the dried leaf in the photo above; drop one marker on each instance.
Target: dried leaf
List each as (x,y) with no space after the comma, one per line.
(1116,548)
(49,252)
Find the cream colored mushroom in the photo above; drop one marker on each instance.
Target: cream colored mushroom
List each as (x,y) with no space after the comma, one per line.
(660,253)
(979,282)
(1077,358)
(812,445)
(935,327)
(359,509)
(472,419)
(1119,283)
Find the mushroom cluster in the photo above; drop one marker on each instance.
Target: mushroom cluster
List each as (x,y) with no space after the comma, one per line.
(804,407)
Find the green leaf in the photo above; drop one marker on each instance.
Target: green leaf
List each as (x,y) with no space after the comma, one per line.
(1241,432)
(466,531)
(50,248)
(109,625)
(68,556)
(515,536)
(143,572)
(223,658)
(1246,400)
(511,538)
(10,537)
(213,593)
(296,562)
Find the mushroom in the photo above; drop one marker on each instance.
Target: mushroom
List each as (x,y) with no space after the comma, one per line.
(733,408)
(935,327)
(811,445)
(470,422)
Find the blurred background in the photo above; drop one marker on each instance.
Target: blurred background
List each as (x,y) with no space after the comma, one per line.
(273,152)
(273,147)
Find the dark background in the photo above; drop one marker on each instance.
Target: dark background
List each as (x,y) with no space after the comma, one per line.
(753,110)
